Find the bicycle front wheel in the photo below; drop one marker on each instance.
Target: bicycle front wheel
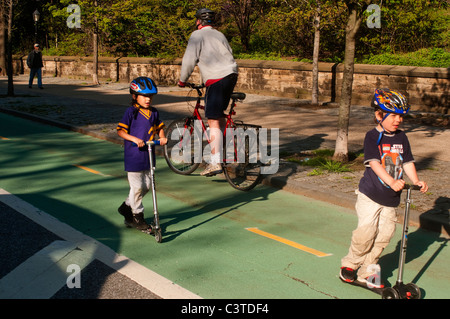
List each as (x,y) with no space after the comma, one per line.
(180,150)
(242,173)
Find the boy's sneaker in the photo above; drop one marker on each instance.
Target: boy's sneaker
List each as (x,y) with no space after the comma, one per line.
(212,169)
(372,282)
(139,222)
(126,212)
(347,274)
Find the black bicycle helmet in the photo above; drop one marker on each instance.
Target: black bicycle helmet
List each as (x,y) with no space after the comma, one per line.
(206,16)
(143,86)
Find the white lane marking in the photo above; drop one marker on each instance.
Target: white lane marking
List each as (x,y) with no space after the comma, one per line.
(147,278)
(44,273)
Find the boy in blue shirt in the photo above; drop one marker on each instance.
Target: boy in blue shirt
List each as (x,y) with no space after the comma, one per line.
(140,123)
(387,154)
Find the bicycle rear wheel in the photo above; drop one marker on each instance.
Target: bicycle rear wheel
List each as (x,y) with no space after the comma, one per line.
(179,151)
(242,174)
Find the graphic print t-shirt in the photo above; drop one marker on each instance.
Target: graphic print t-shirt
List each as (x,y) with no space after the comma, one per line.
(392,152)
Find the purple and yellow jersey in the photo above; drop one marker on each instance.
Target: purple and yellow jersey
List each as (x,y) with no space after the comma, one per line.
(145,125)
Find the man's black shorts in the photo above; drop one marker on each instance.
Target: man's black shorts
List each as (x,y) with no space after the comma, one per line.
(218,96)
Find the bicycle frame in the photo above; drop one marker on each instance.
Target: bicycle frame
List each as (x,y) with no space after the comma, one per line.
(241,172)
(198,106)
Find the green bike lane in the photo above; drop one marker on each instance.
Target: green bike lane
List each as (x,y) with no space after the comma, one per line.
(207,246)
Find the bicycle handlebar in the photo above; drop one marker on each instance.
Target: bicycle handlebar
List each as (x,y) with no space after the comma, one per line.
(195,86)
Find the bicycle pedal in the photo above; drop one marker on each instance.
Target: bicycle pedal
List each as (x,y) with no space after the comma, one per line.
(211,174)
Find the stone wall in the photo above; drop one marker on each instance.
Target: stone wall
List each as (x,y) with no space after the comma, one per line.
(427,88)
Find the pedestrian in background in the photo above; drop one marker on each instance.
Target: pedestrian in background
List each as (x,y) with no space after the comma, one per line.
(34,62)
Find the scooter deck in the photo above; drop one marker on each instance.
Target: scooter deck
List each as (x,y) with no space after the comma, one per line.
(356,283)
(148,230)
(152,231)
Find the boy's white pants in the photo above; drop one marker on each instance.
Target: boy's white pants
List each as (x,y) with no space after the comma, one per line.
(139,186)
(376,226)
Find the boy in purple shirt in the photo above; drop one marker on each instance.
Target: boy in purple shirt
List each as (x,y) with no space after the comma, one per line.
(140,123)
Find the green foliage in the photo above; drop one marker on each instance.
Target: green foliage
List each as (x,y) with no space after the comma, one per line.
(413,32)
(407,26)
(435,57)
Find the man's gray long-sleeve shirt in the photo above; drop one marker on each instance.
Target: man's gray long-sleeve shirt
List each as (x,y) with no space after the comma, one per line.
(209,49)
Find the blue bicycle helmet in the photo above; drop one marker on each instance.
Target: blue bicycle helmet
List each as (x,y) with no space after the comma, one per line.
(143,86)
(390,101)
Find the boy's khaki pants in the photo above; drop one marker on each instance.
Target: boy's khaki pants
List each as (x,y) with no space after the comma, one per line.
(139,186)
(376,226)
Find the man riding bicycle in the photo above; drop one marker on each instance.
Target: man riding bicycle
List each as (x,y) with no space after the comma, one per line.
(210,50)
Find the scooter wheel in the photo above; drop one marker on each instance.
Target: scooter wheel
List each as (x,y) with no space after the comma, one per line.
(390,293)
(413,291)
(158,235)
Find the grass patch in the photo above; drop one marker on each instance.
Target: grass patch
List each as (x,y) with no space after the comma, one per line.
(322,162)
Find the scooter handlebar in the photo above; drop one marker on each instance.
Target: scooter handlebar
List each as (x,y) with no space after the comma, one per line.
(413,187)
(156,142)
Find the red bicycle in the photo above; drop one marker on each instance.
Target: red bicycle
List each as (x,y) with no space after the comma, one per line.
(188,137)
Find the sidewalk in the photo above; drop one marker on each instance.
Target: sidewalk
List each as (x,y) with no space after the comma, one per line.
(96,110)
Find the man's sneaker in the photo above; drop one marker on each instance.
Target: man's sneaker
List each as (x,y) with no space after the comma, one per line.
(212,169)
(139,222)
(347,274)
(372,281)
(126,212)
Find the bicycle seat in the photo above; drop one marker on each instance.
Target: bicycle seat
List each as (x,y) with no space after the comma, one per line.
(238,96)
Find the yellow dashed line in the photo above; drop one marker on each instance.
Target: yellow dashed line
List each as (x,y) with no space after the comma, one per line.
(90,170)
(288,242)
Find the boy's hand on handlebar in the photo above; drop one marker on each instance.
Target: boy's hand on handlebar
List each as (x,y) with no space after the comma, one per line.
(162,141)
(139,142)
(397,185)
(423,186)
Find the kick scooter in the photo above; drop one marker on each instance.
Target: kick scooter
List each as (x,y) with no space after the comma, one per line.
(400,290)
(155,227)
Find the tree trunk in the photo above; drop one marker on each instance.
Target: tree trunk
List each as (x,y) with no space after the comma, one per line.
(353,24)
(9,58)
(2,40)
(315,69)
(95,62)
(95,44)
